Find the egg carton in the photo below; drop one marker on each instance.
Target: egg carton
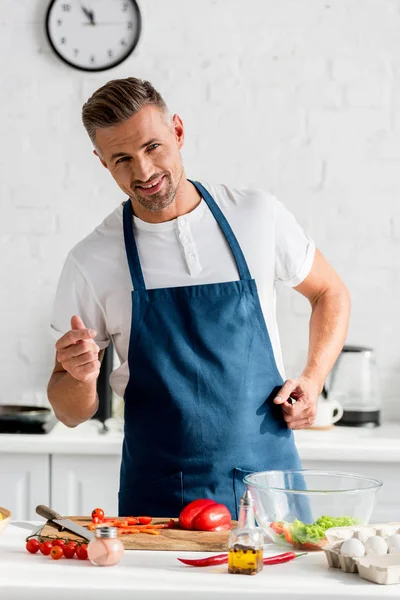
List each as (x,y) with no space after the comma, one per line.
(383,569)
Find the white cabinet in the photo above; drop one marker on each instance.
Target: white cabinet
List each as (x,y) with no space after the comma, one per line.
(387,507)
(80,483)
(24,483)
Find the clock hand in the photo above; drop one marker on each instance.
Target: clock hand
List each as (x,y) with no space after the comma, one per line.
(89,14)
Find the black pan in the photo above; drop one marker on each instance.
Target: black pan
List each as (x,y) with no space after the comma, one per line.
(25,414)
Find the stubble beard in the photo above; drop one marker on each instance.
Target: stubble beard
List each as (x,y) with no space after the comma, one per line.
(160,200)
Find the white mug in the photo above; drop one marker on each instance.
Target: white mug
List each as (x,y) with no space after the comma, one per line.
(328,413)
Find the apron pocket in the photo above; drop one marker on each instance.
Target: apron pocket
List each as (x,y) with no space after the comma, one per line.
(239,487)
(161,497)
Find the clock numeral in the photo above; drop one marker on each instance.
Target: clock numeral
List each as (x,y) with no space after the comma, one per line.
(125,6)
(63,40)
(92,58)
(130,24)
(123,43)
(110,53)
(76,51)
(66,7)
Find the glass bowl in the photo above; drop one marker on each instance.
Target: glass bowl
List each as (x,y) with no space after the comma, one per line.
(295,508)
(6,517)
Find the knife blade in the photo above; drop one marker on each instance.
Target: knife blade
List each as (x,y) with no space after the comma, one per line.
(52,516)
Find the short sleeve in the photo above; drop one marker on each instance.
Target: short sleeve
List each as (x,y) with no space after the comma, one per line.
(294,250)
(75,296)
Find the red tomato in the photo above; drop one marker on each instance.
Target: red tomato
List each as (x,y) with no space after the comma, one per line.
(192,510)
(143,521)
(81,552)
(60,543)
(45,548)
(73,544)
(277,527)
(56,552)
(134,521)
(98,512)
(96,520)
(215,517)
(69,551)
(32,545)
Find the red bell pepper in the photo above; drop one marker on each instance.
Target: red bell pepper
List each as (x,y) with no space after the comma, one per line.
(205,515)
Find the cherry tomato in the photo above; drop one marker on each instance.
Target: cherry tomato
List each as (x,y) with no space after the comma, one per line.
(192,510)
(32,545)
(98,512)
(73,544)
(96,520)
(56,552)
(68,551)
(145,520)
(134,521)
(45,548)
(215,517)
(60,543)
(81,552)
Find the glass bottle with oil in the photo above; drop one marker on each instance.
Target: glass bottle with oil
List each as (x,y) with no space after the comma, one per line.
(245,545)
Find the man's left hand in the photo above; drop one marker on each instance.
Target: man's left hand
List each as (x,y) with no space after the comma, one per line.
(301,414)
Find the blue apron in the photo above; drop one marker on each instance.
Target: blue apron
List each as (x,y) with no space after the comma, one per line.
(199,411)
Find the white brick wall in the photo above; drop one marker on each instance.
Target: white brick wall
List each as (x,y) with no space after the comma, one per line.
(300,97)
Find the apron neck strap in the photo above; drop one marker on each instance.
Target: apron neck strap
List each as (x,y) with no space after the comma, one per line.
(240,260)
(131,248)
(132,251)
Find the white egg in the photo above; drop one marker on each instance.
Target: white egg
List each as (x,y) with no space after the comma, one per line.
(394,543)
(364,533)
(352,548)
(376,546)
(386,530)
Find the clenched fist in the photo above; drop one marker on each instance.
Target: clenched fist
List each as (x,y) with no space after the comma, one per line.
(78,353)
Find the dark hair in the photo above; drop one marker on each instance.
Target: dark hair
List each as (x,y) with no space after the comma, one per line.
(117,101)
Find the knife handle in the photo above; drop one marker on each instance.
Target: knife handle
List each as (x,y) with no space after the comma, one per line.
(48,513)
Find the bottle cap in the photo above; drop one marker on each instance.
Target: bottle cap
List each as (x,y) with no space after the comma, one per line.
(105,532)
(247,499)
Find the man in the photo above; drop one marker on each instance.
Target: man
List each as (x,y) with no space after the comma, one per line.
(201,367)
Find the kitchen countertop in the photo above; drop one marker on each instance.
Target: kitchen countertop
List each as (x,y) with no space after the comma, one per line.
(154,575)
(381,444)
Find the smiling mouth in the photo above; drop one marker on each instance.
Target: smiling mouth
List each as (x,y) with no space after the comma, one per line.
(151,187)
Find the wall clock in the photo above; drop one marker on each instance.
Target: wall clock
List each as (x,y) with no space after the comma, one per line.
(93,35)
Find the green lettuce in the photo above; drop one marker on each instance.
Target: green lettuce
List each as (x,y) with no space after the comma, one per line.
(304,533)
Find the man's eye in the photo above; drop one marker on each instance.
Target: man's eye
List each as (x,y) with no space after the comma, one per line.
(153,146)
(122,159)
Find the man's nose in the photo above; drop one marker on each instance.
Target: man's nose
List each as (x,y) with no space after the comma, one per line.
(143,170)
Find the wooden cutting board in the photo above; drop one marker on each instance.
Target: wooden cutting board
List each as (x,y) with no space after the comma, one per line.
(169,539)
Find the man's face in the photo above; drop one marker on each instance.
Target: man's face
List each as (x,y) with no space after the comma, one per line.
(143,156)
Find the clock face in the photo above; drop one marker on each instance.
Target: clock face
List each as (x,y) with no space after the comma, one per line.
(93,35)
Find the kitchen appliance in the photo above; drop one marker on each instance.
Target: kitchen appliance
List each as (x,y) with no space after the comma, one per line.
(295,507)
(16,418)
(353,382)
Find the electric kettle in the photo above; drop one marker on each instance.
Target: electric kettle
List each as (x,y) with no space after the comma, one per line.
(353,382)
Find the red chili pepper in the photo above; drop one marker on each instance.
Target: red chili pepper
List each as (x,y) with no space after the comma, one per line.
(218,559)
(221,559)
(281,558)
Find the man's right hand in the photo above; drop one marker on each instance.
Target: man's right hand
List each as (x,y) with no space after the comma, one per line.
(78,353)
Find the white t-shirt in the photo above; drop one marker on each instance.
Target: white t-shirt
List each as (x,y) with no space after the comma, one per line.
(95,282)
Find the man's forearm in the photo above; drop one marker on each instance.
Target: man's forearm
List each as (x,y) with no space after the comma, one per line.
(328,330)
(73,401)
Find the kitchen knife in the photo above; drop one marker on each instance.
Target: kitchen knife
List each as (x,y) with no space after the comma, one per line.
(52,516)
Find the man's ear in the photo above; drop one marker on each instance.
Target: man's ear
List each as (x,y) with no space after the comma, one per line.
(100,159)
(179,130)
